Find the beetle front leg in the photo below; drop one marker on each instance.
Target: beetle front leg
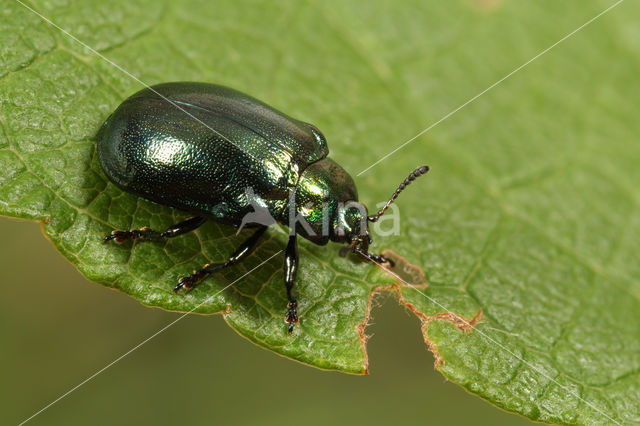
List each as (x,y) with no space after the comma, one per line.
(290,273)
(183,227)
(382,259)
(241,252)
(376,258)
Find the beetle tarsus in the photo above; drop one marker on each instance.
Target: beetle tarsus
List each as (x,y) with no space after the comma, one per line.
(384,259)
(292,316)
(375,258)
(190,282)
(122,236)
(149,234)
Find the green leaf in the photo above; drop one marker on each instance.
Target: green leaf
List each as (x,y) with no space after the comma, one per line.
(527,228)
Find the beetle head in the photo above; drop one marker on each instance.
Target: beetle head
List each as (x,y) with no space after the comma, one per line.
(352,228)
(350,224)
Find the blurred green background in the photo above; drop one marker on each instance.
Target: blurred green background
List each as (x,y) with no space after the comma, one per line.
(59,329)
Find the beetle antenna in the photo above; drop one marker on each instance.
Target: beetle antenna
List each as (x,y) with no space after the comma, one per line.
(416,173)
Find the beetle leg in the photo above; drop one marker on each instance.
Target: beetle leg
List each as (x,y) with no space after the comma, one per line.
(241,252)
(290,273)
(149,234)
(376,258)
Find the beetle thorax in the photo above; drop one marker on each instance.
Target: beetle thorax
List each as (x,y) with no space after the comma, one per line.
(326,205)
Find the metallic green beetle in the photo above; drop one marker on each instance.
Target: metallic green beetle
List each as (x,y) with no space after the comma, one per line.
(225,156)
